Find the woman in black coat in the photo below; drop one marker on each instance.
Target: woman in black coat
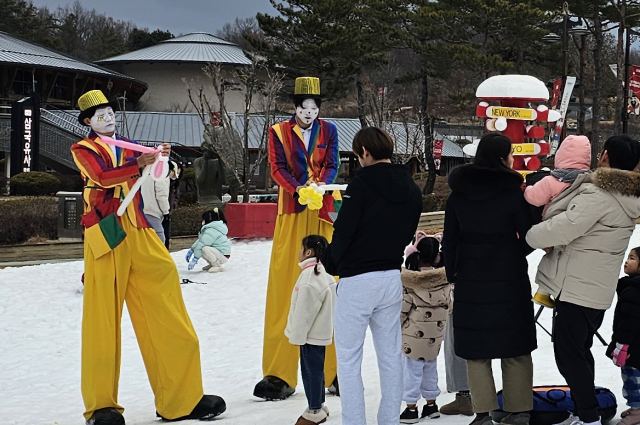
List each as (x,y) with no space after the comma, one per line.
(485,251)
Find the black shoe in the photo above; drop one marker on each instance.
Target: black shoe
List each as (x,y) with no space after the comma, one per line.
(106,416)
(334,388)
(207,408)
(410,416)
(431,411)
(272,388)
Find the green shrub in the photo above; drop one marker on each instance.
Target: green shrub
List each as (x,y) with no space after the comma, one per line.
(421,176)
(186,220)
(187,198)
(433,202)
(35,183)
(3,185)
(70,182)
(189,174)
(24,218)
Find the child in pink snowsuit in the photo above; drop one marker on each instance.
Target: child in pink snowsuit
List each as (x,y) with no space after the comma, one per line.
(572,159)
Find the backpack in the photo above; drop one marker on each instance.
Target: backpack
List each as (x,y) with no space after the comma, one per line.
(552,404)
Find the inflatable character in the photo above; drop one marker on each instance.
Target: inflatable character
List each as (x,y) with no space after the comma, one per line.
(513,116)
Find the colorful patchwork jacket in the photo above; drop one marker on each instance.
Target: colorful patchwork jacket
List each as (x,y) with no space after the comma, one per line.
(108,178)
(292,165)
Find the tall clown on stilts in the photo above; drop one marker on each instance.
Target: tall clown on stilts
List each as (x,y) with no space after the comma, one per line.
(125,261)
(302,151)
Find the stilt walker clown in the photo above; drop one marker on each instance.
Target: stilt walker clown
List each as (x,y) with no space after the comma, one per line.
(302,151)
(125,261)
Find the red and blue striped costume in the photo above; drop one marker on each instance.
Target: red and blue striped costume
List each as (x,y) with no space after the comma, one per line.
(137,270)
(108,176)
(292,165)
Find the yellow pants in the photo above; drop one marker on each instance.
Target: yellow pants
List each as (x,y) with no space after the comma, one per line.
(279,357)
(141,272)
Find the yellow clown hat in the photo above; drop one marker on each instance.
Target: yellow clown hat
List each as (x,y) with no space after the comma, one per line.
(307,85)
(89,102)
(307,88)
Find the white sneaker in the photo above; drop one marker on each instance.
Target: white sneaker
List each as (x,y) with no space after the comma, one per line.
(571,420)
(575,420)
(215,269)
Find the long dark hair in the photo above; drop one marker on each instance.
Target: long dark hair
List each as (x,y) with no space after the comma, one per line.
(427,252)
(214,215)
(493,149)
(318,244)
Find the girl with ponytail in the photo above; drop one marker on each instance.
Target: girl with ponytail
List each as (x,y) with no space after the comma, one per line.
(310,324)
(425,307)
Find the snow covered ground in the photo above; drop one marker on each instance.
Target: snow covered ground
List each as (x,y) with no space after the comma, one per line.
(40,318)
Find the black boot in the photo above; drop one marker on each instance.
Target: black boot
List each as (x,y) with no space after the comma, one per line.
(106,416)
(334,388)
(208,408)
(272,388)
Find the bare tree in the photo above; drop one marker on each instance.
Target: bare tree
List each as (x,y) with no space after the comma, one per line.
(267,105)
(260,87)
(240,31)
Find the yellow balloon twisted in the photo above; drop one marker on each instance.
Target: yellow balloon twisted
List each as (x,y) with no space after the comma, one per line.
(310,198)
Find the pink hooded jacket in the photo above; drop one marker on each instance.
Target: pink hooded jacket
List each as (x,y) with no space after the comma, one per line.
(574,153)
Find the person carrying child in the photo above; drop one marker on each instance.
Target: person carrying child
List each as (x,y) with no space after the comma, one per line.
(212,244)
(425,306)
(572,159)
(625,341)
(591,224)
(310,324)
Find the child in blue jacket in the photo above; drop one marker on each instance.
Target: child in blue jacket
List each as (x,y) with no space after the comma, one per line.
(212,244)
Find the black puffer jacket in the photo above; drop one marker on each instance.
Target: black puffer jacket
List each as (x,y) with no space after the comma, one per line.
(626,320)
(380,212)
(486,221)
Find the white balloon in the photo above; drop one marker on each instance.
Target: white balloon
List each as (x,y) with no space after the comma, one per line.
(501,124)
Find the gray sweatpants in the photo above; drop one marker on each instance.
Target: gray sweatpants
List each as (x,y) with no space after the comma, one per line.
(455,367)
(369,300)
(156,223)
(420,379)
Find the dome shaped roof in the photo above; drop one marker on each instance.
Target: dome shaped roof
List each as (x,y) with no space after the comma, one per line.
(196,47)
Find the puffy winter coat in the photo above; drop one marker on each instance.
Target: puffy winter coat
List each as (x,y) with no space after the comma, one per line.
(212,234)
(378,218)
(589,229)
(310,318)
(155,197)
(626,320)
(426,303)
(484,249)
(574,154)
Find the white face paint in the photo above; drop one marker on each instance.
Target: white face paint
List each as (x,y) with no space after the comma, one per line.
(104,121)
(308,112)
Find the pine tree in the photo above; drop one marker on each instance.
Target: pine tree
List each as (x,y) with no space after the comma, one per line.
(331,39)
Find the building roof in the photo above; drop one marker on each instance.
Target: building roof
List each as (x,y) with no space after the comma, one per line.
(19,52)
(186,129)
(196,47)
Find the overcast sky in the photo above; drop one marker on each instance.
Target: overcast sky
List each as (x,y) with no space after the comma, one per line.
(177,16)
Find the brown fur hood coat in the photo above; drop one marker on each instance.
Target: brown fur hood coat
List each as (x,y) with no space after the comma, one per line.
(425,307)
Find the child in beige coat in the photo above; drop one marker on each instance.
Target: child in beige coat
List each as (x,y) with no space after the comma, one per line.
(310,324)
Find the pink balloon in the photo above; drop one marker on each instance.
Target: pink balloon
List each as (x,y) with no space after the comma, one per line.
(128,145)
